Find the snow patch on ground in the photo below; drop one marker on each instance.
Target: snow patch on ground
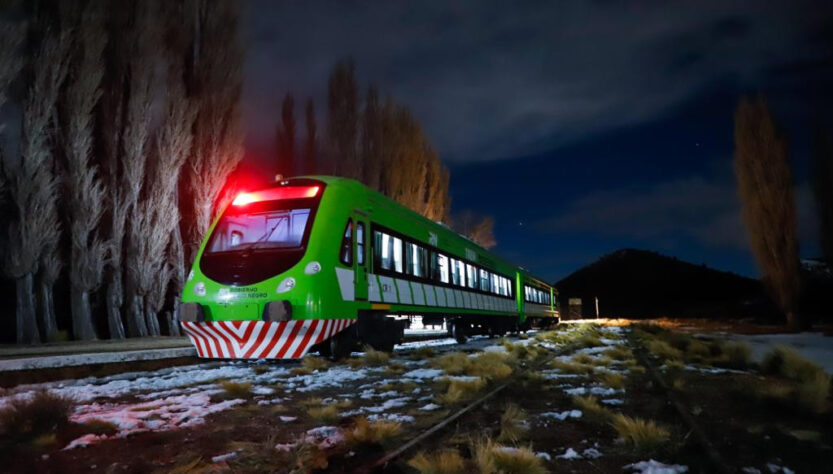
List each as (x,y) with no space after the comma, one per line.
(569,454)
(775,469)
(169,413)
(601,391)
(224,457)
(397,417)
(655,467)
(562,415)
(422,374)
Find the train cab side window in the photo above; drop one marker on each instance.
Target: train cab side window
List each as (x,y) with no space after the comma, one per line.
(383,249)
(397,255)
(442,262)
(346,254)
(471,276)
(360,243)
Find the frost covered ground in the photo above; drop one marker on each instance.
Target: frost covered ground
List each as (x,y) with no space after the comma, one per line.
(814,346)
(225,415)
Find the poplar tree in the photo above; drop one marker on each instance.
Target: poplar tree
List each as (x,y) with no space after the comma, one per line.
(285,138)
(136,146)
(310,162)
(214,82)
(85,199)
(767,198)
(34,231)
(823,190)
(342,121)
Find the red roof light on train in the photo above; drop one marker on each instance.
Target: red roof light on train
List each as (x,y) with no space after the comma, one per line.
(274,194)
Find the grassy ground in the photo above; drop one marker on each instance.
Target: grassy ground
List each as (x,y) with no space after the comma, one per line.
(581,398)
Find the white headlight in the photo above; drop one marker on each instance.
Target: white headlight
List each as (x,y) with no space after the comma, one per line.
(312,268)
(286,285)
(199,289)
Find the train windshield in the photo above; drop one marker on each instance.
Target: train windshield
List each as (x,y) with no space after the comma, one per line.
(262,233)
(272,229)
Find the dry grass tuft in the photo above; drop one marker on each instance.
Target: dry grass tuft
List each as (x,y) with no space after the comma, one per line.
(313,363)
(461,390)
(99,427)
(374,358)
(300,371)
(698,350)
(236,389)
(396,368)
(328,413)
(674,365)
(260,369)
(513,424)
(613,379)
(735,355)
(490,365)
(662,349)
(592,410)
(422,353)
(311,402)
(440,462)
(644,436)
(811,384)
(372,432)
(493,458)
(789,364)
(263,456)
(455,363)
(620,353)
(572,367)
(40,414)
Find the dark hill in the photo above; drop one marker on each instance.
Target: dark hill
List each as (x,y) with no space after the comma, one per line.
(643,284)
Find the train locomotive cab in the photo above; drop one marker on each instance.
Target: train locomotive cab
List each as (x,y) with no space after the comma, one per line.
(255,289)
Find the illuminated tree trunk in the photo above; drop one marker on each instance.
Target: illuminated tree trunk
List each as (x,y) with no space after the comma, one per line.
(82,326)
(48,275)
(26,324)
(114,300)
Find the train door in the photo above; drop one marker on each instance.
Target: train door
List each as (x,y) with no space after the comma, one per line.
(361,261)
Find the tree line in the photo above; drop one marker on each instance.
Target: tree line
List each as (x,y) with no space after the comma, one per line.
(378,142)
(129,119)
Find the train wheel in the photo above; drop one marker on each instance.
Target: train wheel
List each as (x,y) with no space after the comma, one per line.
(341,345)
(458,332)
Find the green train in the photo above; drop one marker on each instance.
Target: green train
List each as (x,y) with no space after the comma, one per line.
(323,263)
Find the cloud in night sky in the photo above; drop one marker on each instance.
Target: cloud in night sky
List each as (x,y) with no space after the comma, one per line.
(706,211)
(495,80)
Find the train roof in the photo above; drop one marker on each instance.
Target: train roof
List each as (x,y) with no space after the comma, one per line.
(397,207)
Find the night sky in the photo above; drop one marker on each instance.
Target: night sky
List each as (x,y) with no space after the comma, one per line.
(582,127)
